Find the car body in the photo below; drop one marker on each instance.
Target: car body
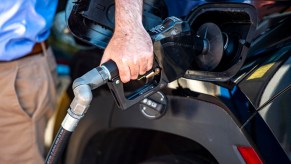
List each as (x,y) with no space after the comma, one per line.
(246,119)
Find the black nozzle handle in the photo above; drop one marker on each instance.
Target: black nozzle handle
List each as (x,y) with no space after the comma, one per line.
(123,100)
(112,69)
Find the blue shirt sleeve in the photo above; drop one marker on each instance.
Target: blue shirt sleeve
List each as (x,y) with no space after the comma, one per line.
(24,23)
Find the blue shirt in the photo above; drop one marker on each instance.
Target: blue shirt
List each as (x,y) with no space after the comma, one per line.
(22,24)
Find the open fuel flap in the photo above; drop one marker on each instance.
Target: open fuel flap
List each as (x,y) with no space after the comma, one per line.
(236,23)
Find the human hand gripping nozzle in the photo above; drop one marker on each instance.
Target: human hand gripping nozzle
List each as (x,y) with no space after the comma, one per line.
(175,48)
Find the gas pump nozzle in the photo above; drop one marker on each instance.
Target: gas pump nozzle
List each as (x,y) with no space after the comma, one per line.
(175,48)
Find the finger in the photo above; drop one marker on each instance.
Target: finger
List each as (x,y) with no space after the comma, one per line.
(150,63)
(134,69)
(143,67)
(104,59)
(124,72)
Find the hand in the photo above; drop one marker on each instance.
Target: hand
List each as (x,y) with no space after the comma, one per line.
(132,51)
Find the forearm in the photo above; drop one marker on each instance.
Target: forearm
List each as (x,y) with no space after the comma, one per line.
(128,15)
(130,46)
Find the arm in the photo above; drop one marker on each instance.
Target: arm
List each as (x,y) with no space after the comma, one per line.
(130,46)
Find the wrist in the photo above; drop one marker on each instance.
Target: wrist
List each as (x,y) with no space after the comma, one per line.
(128,16)
(129,30)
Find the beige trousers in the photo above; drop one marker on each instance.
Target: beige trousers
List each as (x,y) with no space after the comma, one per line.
(27,98)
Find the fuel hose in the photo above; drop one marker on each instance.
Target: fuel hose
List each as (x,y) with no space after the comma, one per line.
(82,87)
(58,146)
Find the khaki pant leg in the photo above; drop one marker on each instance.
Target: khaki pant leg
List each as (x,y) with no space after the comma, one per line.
(27,95)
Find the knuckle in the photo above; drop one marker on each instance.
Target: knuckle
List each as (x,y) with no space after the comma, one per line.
(142,72)
(124,77)
(124,80)
(143,69)
(134,75)
(149,66)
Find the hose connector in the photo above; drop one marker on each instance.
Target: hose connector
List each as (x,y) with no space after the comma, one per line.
(82,87)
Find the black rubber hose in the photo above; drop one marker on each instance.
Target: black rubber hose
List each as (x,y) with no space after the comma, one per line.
(58,146)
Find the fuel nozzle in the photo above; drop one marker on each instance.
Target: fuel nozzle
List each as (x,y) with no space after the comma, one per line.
(82,87)
(205,46)
(178,47)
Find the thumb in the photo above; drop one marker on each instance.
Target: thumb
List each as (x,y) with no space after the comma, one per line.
(104,59)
